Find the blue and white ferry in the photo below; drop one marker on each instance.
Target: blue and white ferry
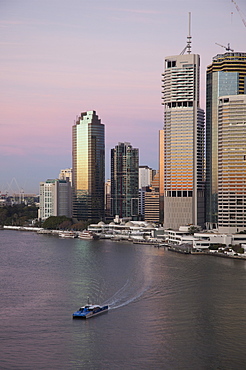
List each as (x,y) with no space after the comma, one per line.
(89,310)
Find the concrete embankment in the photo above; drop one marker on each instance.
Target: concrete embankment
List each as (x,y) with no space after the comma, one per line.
(22,228)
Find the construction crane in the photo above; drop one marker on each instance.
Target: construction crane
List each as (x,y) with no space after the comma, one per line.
(228,48)
(239,11)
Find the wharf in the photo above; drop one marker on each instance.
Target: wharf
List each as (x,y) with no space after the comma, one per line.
(181,248)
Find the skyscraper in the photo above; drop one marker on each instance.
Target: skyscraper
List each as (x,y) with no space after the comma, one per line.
(124,180)
(183,142)
(232,163)
(88,158)
(225,76)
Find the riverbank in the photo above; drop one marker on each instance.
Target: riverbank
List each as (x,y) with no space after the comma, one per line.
(179,248)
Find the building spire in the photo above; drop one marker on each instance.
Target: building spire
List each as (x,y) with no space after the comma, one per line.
(189,36)
(188,45)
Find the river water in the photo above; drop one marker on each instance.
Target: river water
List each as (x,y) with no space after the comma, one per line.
(167,310)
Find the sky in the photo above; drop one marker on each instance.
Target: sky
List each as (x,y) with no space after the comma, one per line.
(63,57)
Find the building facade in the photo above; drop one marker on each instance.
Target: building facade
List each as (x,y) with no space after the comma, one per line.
(66,173)
(182,140)
(107,198)
(152,201)
(145,176)
(124,180)
(226,75)
(88,157)
(232,164)
(161,174)
(55,198)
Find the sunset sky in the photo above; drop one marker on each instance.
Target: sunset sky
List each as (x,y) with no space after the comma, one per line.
(62,57)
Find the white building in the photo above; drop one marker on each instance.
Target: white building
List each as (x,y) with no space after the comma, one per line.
(55,198)
(145,176)
(202,240)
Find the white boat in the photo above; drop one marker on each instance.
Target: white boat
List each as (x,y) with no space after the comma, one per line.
(67,234)
(89,235)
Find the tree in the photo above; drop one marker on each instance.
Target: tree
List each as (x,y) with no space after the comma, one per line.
(54,222)
(18,214)
(80,225)
(193,230)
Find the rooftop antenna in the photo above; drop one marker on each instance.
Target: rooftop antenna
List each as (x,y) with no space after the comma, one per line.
(188,46)
(189,36)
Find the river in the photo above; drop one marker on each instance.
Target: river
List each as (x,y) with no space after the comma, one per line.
(167,310)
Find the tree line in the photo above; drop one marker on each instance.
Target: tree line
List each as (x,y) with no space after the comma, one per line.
(18,214)
(24,215)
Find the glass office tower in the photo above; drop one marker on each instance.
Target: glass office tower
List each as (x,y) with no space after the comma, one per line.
(88,152)
(124,180)
(225,76)
(183,142)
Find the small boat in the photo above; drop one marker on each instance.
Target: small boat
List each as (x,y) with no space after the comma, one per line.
(89,311)
(89,235)
(67,234)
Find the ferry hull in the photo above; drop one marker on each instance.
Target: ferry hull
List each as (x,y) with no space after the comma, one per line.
(88,313)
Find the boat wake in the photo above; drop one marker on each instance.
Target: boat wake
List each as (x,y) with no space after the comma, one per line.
(125,295)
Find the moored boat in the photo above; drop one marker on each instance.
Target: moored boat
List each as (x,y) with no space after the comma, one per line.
(89,235)
(68,234)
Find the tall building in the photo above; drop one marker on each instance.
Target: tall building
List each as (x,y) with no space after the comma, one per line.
(232,164)
(88,167)
(145,176)
(183,142)
(124,180)
(225,76)
(152,201)
(161,174)
(55,198)
(107,198)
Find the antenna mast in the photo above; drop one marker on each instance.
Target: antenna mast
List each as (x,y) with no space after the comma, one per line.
(189,36)
(188,46)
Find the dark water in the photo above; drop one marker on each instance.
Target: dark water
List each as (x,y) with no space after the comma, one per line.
(167,310)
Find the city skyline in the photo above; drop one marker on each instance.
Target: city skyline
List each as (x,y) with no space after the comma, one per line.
(61,58)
